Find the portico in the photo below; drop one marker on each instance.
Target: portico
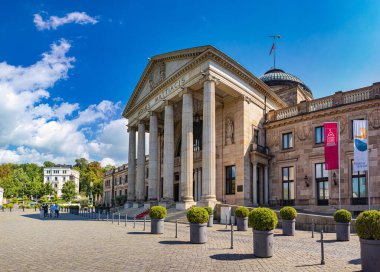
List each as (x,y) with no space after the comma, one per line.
(199,108)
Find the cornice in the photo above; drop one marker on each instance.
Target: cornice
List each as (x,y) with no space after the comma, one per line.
(210,54)
(362,105)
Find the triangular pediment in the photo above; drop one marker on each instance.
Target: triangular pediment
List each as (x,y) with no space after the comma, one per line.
(160,68)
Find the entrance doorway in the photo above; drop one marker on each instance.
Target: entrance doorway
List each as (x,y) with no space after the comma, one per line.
(176,192)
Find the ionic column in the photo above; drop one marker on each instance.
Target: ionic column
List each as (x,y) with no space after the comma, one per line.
(140,177)
(266,189)
(254,184)
(209,144)
(168,171)
(187,151)
(153,158)
(132,164)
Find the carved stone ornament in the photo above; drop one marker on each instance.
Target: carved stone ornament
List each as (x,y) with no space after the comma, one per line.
(303,132)
(374,119)
(157,75)
(229,131)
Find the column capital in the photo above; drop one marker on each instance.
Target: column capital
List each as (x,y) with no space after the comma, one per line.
(186,90)
(168,103)
(207,76)
(131,128)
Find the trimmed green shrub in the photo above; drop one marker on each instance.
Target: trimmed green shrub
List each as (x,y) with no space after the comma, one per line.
(263,219)
(342,216)
(242,212)
(197,215)
(288,213)
(368,225)
(157,212)
(209,210)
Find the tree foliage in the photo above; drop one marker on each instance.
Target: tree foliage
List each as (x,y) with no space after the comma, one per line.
(68,191)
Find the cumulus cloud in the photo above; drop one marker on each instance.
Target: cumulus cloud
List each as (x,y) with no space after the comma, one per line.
(54,22)
(36,127)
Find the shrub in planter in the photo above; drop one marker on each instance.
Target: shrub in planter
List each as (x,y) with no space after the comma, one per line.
(263,222)
(157,215)
(342,226)
(198,217)
(288,215)
(241,214)
(210,212)
(368,229)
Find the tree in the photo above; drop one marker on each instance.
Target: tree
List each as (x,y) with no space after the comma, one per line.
(68,191)
(49,164)
(48,189)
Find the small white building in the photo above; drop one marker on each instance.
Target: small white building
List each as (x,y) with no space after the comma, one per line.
(59,175)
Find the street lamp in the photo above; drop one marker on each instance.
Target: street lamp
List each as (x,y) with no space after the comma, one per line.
(334,179)
(306,179)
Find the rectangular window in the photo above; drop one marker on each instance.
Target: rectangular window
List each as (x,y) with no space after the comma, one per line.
(319,135)
(359,186)
(126,178)
(230,180)
(56,178)
(288,185)
(64,178)
(287,140)
(322,181)
(256,136)
(119,180)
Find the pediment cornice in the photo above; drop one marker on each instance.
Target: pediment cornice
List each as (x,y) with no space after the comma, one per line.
(199,55)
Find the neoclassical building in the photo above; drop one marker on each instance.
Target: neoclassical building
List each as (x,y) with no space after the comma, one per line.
(219,134)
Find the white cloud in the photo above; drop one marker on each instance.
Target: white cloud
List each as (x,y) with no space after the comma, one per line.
(36,127)
(107,161)
(54,22)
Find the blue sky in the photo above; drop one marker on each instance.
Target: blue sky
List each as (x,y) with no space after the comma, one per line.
(330,45)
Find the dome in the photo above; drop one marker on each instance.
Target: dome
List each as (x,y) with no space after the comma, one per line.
(279,77)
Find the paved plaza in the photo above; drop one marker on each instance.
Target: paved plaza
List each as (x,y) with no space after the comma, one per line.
(73,243)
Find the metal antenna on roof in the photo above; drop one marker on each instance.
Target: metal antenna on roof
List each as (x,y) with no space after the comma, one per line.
(273,48)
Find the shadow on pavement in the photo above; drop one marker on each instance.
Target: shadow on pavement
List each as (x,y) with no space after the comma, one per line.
(306,265)
(330,241)
(138,232)
(62,216)
(232,257)
(175,242)
(355,261)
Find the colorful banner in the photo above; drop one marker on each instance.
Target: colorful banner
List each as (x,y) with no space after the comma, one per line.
(331,145)
(360,137)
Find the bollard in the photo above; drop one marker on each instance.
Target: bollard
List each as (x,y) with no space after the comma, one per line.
(126,219)
(232,235)
(134,222)
(176,228)
(107,216)
(144,221)
(118,222)
(322,249)
(312,229)
(113,217)
(226,221)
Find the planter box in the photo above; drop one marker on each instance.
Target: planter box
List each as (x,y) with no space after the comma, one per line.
(198,233)
(242,223)
(263,243)
(370,255)
(210,222)
(342,231)
(288,227)
(157,226)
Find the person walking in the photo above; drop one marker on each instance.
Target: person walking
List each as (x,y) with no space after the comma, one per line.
(51,211)
(45,210)
(41,211)
(56,208)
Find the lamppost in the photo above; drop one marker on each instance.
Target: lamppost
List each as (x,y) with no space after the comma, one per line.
(90,197)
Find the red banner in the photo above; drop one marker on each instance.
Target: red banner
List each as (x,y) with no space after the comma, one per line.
(331,145)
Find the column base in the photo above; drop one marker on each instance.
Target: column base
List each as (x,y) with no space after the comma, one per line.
(183,206)
(209,201)
(135,205)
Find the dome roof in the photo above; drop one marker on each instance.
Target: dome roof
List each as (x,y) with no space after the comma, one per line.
(279,77)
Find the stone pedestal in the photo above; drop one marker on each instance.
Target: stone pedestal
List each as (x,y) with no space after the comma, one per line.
(183,206)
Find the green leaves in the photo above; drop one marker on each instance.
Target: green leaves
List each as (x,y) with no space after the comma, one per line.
(68,191)
(263,219)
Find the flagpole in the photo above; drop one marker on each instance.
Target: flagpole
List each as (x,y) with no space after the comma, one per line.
(340,205)
(369,185)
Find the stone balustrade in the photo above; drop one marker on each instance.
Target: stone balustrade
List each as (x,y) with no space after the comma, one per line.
(338,99)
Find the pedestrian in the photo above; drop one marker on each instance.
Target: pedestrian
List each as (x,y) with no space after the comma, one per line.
(56,207)
(51,211)
(41,211)
(45,210)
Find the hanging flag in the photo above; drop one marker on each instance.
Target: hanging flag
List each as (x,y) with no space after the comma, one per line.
(360,137)
(272,49)
(331,146)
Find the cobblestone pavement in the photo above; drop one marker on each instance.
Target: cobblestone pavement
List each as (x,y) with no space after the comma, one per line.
(74,243)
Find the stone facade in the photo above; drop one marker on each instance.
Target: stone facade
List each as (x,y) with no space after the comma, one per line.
(58,175)
(215,132)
